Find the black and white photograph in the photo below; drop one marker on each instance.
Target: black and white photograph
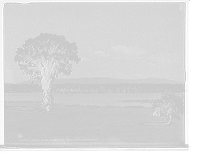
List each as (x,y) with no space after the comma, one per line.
(95,75)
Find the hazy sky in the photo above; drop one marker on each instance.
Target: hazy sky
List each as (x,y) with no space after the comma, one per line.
(120,40)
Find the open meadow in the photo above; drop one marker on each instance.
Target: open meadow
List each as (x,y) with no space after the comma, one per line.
(89,120)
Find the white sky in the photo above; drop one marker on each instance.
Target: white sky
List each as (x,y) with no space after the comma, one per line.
(120,40)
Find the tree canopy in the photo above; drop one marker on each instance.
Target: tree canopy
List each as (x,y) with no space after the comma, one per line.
(47,51)
(169,105)
(45,57)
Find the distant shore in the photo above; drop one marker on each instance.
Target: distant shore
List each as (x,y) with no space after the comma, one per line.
(37,104)
(98,88)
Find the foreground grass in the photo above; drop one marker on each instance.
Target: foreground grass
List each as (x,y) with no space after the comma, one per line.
(87,126)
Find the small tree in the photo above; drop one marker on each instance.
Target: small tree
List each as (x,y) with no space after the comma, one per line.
(170,106)
(44,58)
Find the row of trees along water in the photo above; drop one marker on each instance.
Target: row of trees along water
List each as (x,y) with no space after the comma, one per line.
(97,88)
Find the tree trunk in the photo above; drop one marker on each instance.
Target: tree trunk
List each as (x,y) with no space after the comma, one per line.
(47,93)
(170,118)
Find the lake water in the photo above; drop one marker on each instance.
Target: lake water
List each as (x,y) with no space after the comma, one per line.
(99,99)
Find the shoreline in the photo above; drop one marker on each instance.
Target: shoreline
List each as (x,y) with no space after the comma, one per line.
(97,92)
(38,104)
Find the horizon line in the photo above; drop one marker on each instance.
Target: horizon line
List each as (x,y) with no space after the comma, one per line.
(177,82)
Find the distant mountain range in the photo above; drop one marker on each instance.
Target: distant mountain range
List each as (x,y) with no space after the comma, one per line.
(107,80)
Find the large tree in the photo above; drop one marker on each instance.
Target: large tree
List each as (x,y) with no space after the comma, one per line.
(44,58)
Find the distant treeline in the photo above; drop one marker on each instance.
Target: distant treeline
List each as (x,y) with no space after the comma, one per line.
(97,88)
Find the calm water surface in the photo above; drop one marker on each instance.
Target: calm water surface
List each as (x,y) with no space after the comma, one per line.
(100,99)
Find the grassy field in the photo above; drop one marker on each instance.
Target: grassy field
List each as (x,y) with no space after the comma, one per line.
(96,123)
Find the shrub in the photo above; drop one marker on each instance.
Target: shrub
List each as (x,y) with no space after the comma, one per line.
(169,105)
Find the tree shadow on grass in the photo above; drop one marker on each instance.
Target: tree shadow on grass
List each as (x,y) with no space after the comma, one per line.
(156,124)
(24,108)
